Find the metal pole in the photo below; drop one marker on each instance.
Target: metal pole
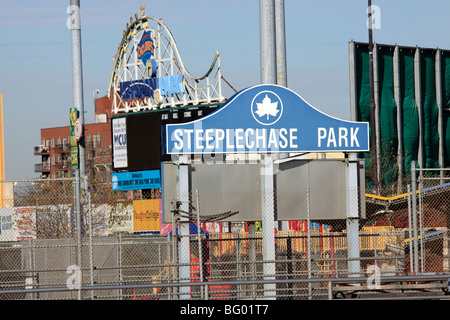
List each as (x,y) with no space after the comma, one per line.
(77,87)
(308,240)
(77,76)
(252,255)
(398,101)
(183,227)
(411,262)
(173,272)
(268,222)
(352,221)
(78,208)
(439,97)
(268,76)
(91,253)
(199,234)
(422,251)
(372,103)
(119,258)
(414,216)
(267,42)
(280,36)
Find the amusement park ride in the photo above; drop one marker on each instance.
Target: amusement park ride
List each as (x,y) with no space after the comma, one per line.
(148,72)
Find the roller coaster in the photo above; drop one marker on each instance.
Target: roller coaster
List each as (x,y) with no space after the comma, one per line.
(148,59)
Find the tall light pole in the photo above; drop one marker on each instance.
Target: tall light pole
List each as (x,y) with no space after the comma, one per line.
(280,35)
(77,77)
(372,102)
(268,76)
(77,87)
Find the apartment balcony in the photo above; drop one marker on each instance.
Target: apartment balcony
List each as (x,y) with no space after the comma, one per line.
(40,150)
(42,167)
(62,166)
(62,148)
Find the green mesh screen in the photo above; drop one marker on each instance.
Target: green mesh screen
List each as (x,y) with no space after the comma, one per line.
(387,115)
(410,112)
(430,110)
(446,104)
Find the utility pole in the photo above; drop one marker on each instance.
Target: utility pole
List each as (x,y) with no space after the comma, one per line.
(280,35)
(77,87)
(372,103)
(268,76)
(77,77)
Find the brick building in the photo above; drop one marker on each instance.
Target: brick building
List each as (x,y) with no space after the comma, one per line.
(54,148)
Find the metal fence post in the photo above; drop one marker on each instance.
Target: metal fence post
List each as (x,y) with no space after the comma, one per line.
(91,253)
(414,216)
(308,249)
(199,234)
(330,290)
(78,208)
(422,251)
(411,262)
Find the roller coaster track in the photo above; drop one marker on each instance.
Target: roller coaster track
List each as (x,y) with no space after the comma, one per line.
(376,199)
(205,89)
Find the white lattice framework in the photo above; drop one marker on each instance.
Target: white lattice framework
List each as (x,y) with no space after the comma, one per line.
(206,89)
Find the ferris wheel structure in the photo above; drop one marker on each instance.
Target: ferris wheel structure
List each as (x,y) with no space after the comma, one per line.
(149,74)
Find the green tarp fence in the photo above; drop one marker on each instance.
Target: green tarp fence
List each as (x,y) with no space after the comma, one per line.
(414,127)
(410,110)
(446,105)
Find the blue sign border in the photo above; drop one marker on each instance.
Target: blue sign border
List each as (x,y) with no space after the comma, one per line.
(266,119)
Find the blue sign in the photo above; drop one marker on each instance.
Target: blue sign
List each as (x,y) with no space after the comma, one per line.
(136,180)
(137,89)
(266,119)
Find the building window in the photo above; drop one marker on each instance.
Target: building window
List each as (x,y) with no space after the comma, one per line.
(53,142)
(96,141)
(53,160)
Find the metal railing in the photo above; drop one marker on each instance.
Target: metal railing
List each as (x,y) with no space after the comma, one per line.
(412,293)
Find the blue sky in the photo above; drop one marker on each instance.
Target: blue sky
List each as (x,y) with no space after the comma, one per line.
(36,69)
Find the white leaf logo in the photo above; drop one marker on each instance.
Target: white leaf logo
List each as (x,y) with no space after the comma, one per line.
(267,108)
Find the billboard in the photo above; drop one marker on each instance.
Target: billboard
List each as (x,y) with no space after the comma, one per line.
(119,143)
(136,141)
(136,137)
(136,180)
(120,218)
(17,223)
(146,215)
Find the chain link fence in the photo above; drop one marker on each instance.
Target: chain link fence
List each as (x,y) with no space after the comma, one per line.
(39,247)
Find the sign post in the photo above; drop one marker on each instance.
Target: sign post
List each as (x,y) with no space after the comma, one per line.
(268,222)
(270,120)
(183,226)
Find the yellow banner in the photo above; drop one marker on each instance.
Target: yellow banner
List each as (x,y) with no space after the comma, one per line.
(146,215)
